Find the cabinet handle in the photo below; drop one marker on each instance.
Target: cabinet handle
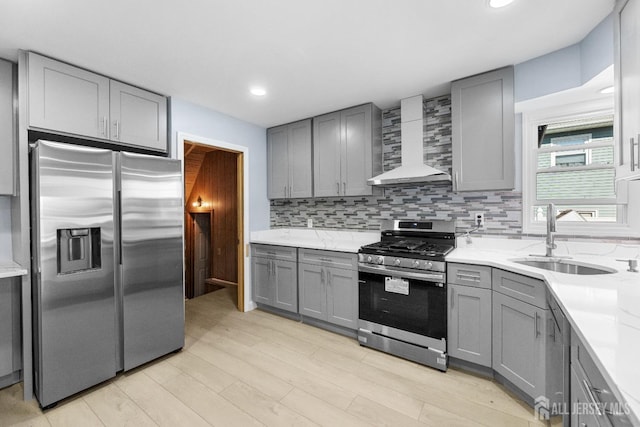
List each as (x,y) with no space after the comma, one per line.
(329,278)
(632,159)
(337,188)
(285,191)
(344,188)
(455,181)
(591,397)
(116,125)
(468,277)
(638,152)
(537,328)
(453,298)
(105,126)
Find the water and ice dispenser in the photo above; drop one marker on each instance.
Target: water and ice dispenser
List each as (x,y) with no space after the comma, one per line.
(78,249)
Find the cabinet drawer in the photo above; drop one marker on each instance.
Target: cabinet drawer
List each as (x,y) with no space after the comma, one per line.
(329,258)
(523,288)
(286,253)
(469,275)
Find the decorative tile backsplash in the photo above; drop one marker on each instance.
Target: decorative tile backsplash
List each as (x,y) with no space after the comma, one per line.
(502,210)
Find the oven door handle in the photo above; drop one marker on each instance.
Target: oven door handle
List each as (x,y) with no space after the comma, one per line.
(428,277)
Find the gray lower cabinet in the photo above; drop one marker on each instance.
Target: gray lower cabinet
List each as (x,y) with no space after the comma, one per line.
(469,322)
(274,276)
(519,335)
(289,162)
(71,100)
(329,286)
(10,337)
(483,123)
(7,132)
(469,326)
(346,151)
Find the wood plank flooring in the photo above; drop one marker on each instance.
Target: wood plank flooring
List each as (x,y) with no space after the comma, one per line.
(256,368)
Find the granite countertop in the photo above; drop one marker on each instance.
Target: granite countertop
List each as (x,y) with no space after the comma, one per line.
(604,310)
(316,238)
(11,269)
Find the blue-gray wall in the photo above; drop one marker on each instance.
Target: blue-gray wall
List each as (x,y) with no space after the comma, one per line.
(566,68)
(203,122)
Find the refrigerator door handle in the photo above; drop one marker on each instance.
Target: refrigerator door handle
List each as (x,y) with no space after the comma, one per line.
(119,217)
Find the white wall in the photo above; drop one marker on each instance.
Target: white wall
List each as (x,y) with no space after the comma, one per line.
(200,121)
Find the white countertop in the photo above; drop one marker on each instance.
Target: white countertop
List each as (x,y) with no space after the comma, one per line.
(11,269)
(316,238)
(604,310)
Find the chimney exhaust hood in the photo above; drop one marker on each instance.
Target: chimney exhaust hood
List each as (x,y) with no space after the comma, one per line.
(412,168)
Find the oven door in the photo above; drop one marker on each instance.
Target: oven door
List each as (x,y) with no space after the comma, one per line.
(407,306)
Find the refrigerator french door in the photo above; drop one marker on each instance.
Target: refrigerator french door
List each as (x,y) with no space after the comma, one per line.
(107,264)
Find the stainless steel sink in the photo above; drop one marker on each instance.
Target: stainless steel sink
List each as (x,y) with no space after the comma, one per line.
(565,266)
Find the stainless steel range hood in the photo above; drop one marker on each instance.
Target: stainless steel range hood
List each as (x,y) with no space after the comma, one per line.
(412,168)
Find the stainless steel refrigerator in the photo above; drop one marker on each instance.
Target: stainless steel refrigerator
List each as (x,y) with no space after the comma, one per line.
(107,264)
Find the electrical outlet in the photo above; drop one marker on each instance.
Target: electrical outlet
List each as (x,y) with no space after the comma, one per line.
(310,223)
(478,219)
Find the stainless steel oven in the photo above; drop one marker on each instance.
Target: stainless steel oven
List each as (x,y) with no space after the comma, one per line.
(403,294)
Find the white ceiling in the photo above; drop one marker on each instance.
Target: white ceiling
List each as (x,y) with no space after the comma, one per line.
(313,56)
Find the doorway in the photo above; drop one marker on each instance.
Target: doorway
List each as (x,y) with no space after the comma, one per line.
(214,219)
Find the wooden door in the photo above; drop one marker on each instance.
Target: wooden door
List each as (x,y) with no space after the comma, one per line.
(201,252)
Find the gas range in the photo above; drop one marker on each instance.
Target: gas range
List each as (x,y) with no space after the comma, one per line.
(416,245)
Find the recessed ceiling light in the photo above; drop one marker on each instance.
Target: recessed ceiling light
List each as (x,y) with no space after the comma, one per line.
(499,3)
(258,91)
(608,89)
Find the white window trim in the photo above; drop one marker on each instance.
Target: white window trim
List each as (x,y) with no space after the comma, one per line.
(530,122)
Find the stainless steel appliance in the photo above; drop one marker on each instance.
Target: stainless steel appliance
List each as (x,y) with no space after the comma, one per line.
(402,291)
(107,264)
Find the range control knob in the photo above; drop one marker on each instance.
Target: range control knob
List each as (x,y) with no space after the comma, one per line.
(416,264)
(380,260)
(429,264)
(369,259)
(397,261)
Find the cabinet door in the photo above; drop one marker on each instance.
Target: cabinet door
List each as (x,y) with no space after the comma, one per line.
(261,277)
(10,349)
(581,416)
(285,285)
(470,324)
(356,151)
(138,117)
(67,99)
(342,297)
(277,162)
(7,135)
(313,293)
(326,155)
(300,175)
(483,121)
(519,343)
(627,68)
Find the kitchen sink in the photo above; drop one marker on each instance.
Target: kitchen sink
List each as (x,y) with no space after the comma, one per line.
(564,266)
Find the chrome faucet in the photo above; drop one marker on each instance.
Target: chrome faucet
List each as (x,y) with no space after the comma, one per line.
(551,230)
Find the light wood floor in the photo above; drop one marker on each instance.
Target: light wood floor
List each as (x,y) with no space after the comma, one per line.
(251,369)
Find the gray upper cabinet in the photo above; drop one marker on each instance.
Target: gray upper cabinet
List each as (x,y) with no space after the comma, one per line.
(346,151)
(627,79)
(67,99)
(138,117)
(483,120)
(289,161)
(7,132)
(71,100)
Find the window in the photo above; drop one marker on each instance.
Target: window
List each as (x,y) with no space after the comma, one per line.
(568,160)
